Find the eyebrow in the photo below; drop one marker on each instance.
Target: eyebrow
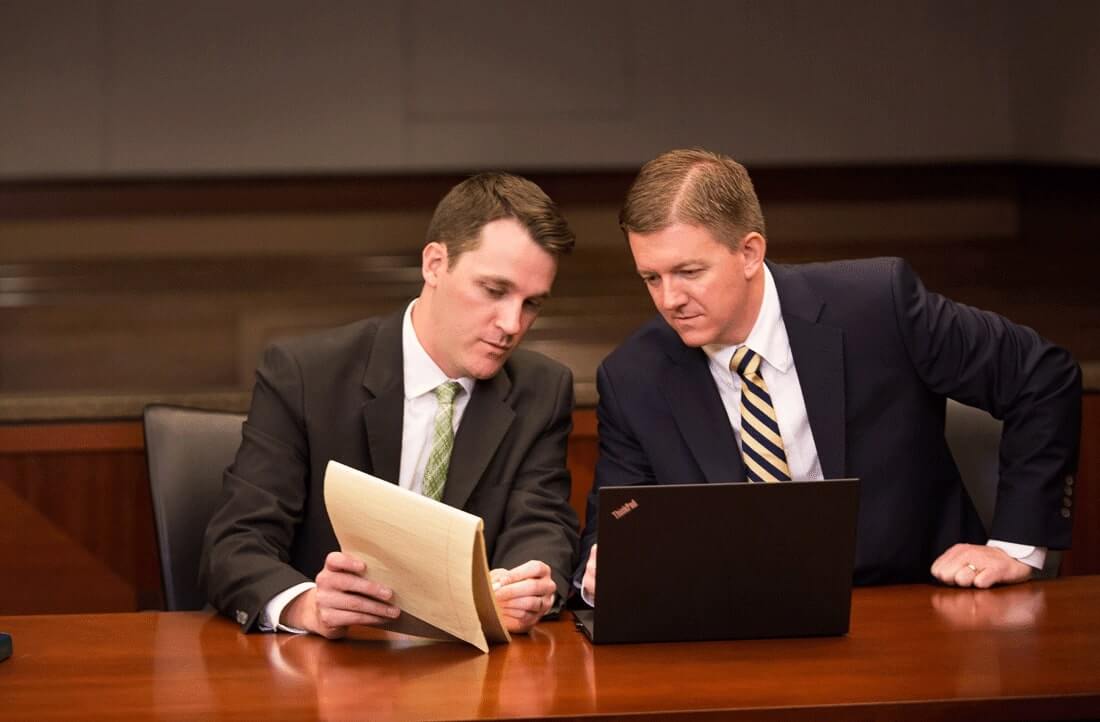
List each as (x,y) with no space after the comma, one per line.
(509,285)
(678,267)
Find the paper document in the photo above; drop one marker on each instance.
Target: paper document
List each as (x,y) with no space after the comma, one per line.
(431,555)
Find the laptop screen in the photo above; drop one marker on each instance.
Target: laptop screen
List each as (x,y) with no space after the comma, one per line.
(725,561)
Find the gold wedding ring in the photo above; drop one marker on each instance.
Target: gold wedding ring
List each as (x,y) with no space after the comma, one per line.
(971,567)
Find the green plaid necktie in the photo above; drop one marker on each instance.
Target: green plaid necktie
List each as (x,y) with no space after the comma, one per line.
(443,440)
(761,444)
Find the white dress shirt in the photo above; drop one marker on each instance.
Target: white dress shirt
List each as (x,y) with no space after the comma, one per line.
(422,375)
(768,338)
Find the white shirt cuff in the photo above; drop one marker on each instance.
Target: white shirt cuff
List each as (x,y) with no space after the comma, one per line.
(274,609)
(584,597)
(1033,556)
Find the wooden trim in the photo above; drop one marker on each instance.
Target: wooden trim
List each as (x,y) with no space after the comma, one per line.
(51,437)
(584,423)
(356,193)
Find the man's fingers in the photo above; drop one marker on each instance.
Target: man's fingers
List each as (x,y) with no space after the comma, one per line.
(964,575)
(341,562)
(526,588)
(533,569)
(982,566)
(535,605)
(986,578)
(355,603)
(330,579)
(946,564)
(342,619)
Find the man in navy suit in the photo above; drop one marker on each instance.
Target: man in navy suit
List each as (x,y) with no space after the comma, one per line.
(767,372)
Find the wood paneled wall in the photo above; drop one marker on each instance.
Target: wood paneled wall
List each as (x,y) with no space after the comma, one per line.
(175,286)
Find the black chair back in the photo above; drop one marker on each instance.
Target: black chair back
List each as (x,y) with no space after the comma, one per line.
(187,451)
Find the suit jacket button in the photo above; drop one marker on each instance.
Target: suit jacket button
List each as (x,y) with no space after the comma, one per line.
(242,616)
(1067,502)
(1065,513)
(1069,480)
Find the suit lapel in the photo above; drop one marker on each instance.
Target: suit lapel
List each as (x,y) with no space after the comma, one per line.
(697,408)
(385,406)
(484,423)
(818,352)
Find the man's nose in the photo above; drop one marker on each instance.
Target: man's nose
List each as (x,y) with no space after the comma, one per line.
(509,319)
(672,296)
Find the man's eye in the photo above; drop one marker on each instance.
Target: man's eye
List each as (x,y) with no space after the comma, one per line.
(650,280)
(691,272)
(533,304)
(494,292)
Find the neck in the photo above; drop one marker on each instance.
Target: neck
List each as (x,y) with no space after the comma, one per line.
(752,307)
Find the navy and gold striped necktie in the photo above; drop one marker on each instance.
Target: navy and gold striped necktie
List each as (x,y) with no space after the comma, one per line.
(761,443)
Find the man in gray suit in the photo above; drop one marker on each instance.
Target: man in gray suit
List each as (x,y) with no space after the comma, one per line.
(436,398)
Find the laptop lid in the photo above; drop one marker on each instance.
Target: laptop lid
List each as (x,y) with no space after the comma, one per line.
(685,562)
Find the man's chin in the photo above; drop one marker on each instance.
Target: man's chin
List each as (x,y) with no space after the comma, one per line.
(486,368)
(694,338)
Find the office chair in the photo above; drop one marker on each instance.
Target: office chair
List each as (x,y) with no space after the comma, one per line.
(974,438)
(186,451)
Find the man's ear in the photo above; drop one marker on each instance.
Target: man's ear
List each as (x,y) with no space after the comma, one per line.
(433,262)
(753,248)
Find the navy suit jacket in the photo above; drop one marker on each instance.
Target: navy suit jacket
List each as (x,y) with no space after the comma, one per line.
(877,355)
(339,394)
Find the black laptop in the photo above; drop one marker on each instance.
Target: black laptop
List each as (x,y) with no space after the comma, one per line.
(688,562)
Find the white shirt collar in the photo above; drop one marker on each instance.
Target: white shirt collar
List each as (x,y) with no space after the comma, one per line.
(422,374)
(768,336)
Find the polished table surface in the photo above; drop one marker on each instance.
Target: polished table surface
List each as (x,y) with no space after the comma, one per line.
(914,652)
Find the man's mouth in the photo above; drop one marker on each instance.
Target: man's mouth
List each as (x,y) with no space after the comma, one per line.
(499,347)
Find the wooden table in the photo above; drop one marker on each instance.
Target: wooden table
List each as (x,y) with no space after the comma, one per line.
(914,652)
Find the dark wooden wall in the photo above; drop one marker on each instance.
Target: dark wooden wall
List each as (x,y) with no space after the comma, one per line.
(155,317)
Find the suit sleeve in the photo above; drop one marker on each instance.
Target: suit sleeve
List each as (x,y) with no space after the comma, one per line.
(621,462)
(981,359)
(539,522)
(246,549)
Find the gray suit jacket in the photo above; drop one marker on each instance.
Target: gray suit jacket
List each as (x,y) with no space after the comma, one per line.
(339,395)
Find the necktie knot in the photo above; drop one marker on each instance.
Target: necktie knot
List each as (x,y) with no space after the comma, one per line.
(745,362)
(446,392)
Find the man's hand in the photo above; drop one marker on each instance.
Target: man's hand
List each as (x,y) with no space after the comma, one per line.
(973,565)
(588,583)
(524,594)
(343,597)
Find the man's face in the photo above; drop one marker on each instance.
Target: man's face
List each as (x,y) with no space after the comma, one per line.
(707,292)
(479,309)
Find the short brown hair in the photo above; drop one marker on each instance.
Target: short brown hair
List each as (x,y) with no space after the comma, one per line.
(697,187)
(487,197)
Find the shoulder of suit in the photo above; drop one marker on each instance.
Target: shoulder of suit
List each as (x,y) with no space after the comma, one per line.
(653,341)
(848,282)
(348,340)
(844,270)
